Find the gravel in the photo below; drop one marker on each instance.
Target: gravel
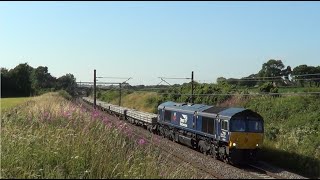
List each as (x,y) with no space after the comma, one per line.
(280,172)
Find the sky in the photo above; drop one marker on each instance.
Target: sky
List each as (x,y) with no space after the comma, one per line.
(147,40)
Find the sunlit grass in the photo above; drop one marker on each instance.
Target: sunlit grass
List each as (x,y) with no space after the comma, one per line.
(50,137)
(142,101)
(7,103)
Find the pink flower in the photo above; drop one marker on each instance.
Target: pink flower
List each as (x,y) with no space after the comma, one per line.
(105,120)
(95,114)
(141,141)
(66,114)
(128,131)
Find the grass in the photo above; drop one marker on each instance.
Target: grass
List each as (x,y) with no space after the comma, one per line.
(7,103)
(49,137)
(143,101)
(292,131)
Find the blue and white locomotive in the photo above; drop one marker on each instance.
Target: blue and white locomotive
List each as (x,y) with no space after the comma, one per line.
(231,134)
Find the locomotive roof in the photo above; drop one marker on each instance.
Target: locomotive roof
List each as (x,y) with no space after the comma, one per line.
(223,111)
(231,111)
(184,106)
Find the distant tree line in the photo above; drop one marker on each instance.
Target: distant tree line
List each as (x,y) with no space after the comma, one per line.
(274,72)
(268,79)
(24,80)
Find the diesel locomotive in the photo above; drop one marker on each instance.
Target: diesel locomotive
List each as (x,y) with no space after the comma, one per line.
(233,135)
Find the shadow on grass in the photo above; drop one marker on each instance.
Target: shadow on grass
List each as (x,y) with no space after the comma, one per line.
(303,165)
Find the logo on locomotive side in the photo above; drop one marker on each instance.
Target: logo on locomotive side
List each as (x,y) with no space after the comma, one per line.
(183,120)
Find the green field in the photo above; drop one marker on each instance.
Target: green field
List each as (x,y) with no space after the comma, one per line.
(7,103)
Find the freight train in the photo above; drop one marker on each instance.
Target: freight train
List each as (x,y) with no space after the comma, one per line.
(233,135)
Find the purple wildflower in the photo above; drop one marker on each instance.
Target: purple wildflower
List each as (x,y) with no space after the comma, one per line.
(105,120)
(46,116)
(128,131)
(109,125)
(95,114)
(141,141)
(66,114)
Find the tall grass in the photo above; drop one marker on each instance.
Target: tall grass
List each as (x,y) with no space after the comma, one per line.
(292,131)
(49,137)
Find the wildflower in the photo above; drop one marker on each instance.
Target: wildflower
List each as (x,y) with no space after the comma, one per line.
(128,131)
(67,114)
(109,125)
(76,157)
(95,114)
(105,120)
(141,141)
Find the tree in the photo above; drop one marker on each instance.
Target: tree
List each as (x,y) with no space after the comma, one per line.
(41,79)
(232,81)
(271,69)
(68,83)
(20,77)
(305,73)
(248,81)
(221,79)
(6,83)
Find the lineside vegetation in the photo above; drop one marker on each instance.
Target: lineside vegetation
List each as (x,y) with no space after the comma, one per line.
(49,137)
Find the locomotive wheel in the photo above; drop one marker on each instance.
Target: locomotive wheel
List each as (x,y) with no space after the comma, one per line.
(205,152)
(226,160)
(213,153)
(162,132)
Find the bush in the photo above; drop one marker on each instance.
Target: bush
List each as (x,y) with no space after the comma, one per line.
(268,87)
(65,94)
(272,133)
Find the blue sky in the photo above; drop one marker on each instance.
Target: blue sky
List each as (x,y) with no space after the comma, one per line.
(145,40)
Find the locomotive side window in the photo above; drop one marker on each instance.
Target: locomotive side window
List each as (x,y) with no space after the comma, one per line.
(207,125)
(204,124)
(210,125)
(167,115)
(224,125)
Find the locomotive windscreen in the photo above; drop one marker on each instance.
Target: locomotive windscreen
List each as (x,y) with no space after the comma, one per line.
(246,125)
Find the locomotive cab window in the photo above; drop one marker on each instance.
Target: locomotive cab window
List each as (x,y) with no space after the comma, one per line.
(167,115)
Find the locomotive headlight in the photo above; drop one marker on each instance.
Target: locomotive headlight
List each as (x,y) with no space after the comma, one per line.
(257,145)
(234,144)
